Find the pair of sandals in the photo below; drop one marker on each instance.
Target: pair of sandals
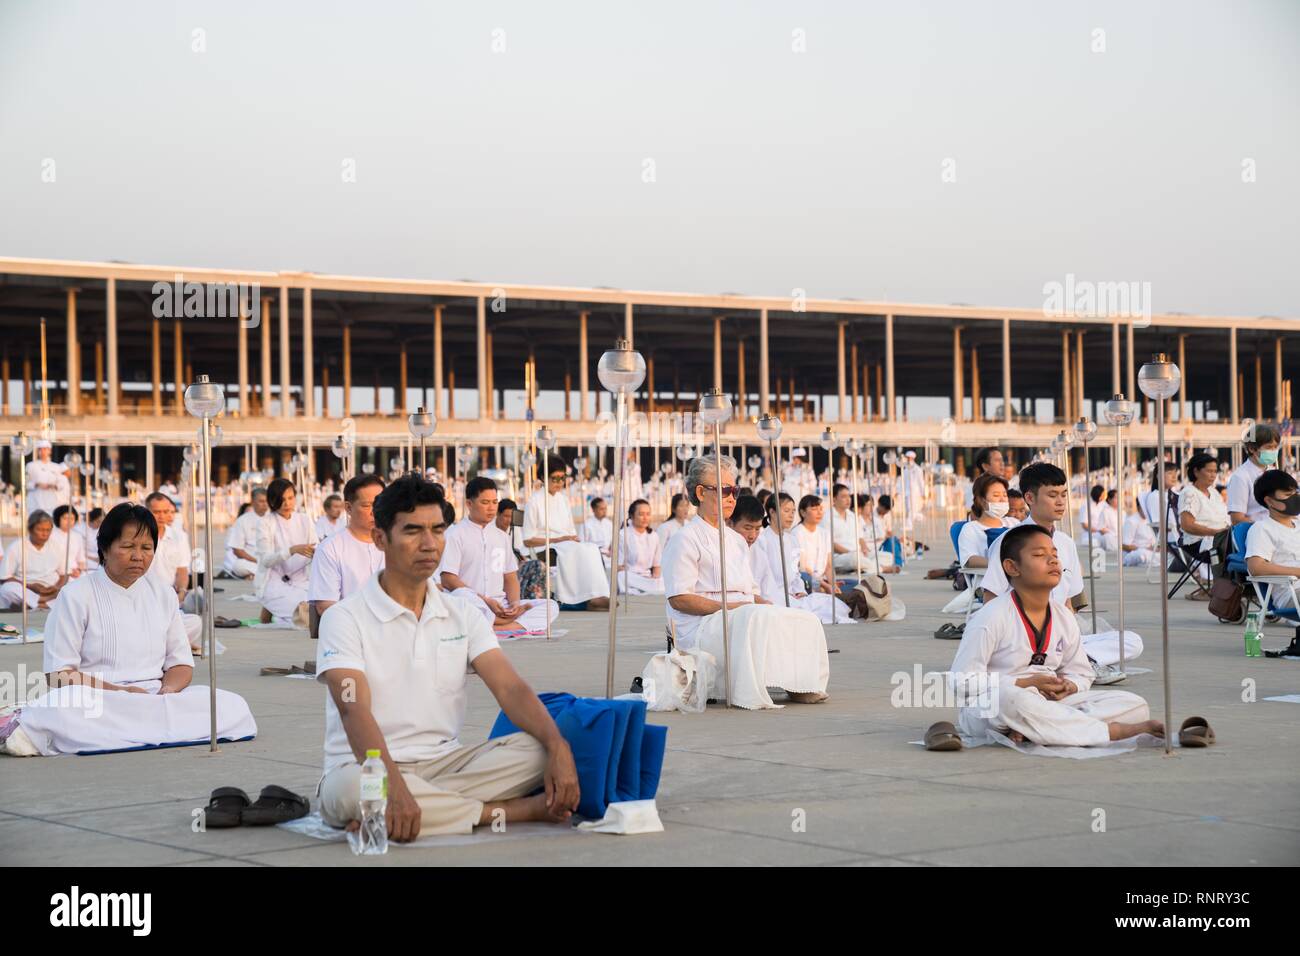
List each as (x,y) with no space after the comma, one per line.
(230,807)
(307,667)
(1195,732)
(950,631)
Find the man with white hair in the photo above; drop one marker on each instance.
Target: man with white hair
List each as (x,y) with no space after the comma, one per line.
(47,482)
(44,562)
(770,646)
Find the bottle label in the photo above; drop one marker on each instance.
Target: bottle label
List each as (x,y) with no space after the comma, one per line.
(374,788)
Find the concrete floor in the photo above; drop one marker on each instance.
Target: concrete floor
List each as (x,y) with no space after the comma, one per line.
(734,782)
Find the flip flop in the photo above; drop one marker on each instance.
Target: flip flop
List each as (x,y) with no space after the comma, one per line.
(1195,732)
(225,808)
(950,632)
(8,630)
(942,736)
(225,622)
(275,671)
(309,667)
(276,805)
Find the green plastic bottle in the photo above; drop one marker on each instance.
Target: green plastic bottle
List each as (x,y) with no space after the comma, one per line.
(1253,623)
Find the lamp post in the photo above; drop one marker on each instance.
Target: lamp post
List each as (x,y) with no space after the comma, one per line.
(621,371)
(422,424)
(23,445)
(769,430)
(71,462)
(1085,431)
(715,408)
(829,442)
(342,449)
(1120,412)
(206,400)
(545,439)
(1159,380)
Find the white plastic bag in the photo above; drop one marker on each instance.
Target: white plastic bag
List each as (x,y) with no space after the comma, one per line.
(678,680)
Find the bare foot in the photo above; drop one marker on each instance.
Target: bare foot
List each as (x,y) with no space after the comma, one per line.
(806,697)
(1120,731)
(598,604)
(523,810)
(1016,737)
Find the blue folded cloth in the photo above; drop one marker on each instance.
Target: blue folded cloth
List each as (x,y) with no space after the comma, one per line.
(618,755)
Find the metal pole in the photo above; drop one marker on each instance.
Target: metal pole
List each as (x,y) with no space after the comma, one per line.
(780,522)
(546,518)
(1119,518)
(1092,568)
(208,633)
(722,552)
(619,406)
(853,513)
(831,489)
(22,530)
(1164,571)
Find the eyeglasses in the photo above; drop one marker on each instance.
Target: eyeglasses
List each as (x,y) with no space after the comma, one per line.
(557,478)
(728,491)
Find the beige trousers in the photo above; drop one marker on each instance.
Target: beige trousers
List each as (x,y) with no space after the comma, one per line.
(450,789)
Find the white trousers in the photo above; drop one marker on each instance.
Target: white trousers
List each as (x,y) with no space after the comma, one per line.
(820,605)
(1104,647)
(640,584)
(193,628)
(281,597)
(770,647)
(579,574)
(1139,558)
(534,619)
(11,596)
(238,566)
(1079,720)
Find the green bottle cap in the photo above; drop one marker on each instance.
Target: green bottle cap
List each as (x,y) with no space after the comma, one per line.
(371,753)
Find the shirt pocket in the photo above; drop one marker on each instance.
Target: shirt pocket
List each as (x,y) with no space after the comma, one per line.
(452,662)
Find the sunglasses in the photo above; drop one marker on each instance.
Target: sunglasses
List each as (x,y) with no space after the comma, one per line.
(557,477)
(728,491)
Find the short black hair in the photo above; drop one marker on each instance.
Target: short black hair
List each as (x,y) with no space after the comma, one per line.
(117,520)
(980,489)
(275,492)
(506,504)
(1095,492)
(1264,435)
(1157,472)
(748,508)
(1015,493)
(1197,462)
(329,498)
(1271,482)
(476,486)
(863,501)
(448,513)
(556,464)
(596,501)
(1015,539)
(807,501)
(404,495)
(61,510)
(982,459)
(631,509)
(886,502)
(762,495)
(837,488)
(677,499)
(95,514)
(354,486)
(1040,474)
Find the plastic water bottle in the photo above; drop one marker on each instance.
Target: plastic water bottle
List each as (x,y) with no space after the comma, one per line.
(1253,648)
(373,836)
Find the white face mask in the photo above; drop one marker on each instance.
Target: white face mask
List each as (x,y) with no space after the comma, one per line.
(998,509)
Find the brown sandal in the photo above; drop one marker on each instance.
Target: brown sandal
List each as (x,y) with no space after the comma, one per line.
(942,736)
(1195,732)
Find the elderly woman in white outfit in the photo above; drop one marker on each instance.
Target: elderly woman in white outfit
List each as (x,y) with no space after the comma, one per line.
(44,563)
(286,542)
(118,661)
(771,646)
(640,551)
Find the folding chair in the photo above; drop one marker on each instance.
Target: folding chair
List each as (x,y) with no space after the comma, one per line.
(974,576)
(1264,584)
(1235,568)
(1194,559)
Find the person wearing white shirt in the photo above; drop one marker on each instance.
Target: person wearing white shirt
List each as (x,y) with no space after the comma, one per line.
(87,531)
(578,580)
(47,481)
(118,662)
(395,658)
(849,538)
(479,565)
(333,520)
(241,539)
(989,507)
(1262,452)
(1151,502)
(44,562)
(1092,520)
(171,562)
(679,514)
(1202,513)
(828,607)
(1273,543)
(770,646)
(640,553)
(345,561)
(67,543)
(1139,540)
(599,529)
(1021,669)
(987,461)
(286,544)
(814,546)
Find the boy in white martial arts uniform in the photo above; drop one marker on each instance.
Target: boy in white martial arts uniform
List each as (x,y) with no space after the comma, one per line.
(1273,543)
(578,578)
(1025,649)
(1043,486)
(44,579)
(396,657)
(118,661)
(241,539)
(770,646)
(333,520)
(347,560)
(599,529)
(479,565)
(171,561)
(640,552)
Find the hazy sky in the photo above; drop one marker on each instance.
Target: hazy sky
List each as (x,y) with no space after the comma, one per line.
(772,168)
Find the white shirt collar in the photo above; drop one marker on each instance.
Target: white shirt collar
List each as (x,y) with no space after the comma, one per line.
(387,610)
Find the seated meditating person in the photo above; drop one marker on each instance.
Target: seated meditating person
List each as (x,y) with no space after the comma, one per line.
(285,546)
(771,645)
(1017,511)
(1151,501)
(767,544)
(117,660)
(988,509)
(1023,650)
(345,561)
(988,461)
(1203,514)
(679,514)
(640,553)
(1043,486)
(171,563)
(332,519)
(578,578)
(241,539)
(531,583)
(599,529)
(1139,540)
(875,529)
(1273,543)
(395,658)
(1262,451)
(1092,520)
(884,521)
(480,567)
(850,542)
(67,543)
(86,531)
(44,567)
(814,546)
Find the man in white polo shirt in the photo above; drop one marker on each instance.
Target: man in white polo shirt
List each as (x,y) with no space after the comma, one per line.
(395,657)
(479,565)
(345,561)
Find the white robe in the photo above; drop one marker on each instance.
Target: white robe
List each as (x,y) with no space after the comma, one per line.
(243,535)
(995,652)
(598,531)
(579,574)
(46,499)
(341,565)
(1138,532)
(770,646)
(764,551)
(481,556)
(814,550)
(325,527)
(44,565)
(283,577)
(71,549)
(641,552)
(126,636)
(669,528)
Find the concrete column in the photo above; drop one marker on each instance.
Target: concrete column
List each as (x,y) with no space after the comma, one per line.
(1080,402)
(155,338)
(4,382)
(853,372)
(111,343)
(1067,377)
(1131,386)
(584,370)
(840,376)
(439,394)
(889,368)
(242,332)
(481,341)
(1277,378)
(74,357)
(99,374)
(27,385)
(178,369)
(568,390)
(976,399)
(627,323)
(742,394)
(308,365)
(880,395)
(401,379)
(1006,370)
(451,389)
(717,351)
(325,391)
(1259,386)
(1114,360)
(286,400)
(150,480)
(1233,397)
(650,385)
(264,356)
(1182,385)
(764,399)
(492,378)
(347,369)
(958,386)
